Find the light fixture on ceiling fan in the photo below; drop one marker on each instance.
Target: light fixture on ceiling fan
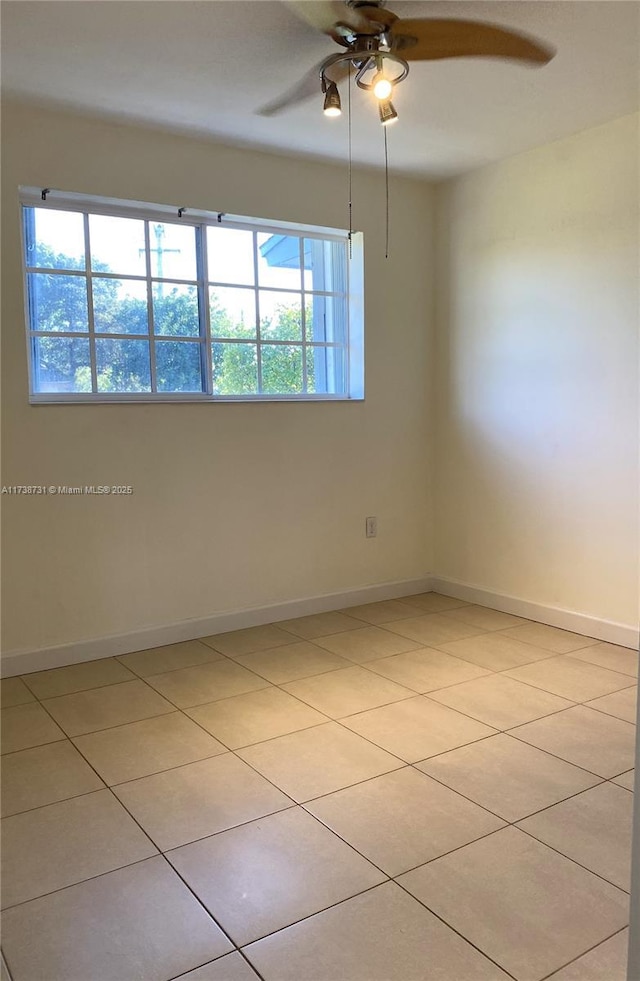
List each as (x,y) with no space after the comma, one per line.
(379,47)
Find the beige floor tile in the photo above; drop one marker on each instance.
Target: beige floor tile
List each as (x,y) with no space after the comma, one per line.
(141,748)
(366,644)
(252,718)
(499,701)
(626,780)
(594,829)
(434,602)
(432,629)
(34,777)
(383,612)
(205,683)
(592,740)
(570,678)
(266,875)
(101,708)
(318,761)
(416,728)
(344,692)
(621,659)
(486,619)
(77,677)
(426,669)
(606,962)
(24,726)
(550,638)
(320,625)
(301,660)
(107,929)
(382,935)
(495,651)
(14,692)
(231,967)
(508,777)
(55,846)
(403,819)
(157,660)
(4,970)
(237,642)
(620,704)
(199,799)
(524,905)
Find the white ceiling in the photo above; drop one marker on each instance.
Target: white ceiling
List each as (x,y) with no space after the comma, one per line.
(205,67)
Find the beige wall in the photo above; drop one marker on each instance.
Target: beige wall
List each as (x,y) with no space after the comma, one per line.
(537,369)
(245,505)
(235,505)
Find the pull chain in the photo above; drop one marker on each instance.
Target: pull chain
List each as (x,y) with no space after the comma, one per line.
(386,189)
(350,168)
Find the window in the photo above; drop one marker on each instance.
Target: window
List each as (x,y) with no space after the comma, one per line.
(131,302)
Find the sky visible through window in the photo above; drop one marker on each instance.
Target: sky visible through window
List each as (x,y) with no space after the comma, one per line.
(119,244)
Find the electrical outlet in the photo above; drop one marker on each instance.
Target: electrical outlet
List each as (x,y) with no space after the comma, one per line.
(371,525)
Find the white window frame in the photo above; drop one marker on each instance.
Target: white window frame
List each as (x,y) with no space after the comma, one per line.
(31,197)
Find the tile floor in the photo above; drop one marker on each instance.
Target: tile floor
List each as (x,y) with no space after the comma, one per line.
(412,789)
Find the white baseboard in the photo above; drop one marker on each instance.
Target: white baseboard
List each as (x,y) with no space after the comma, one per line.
(607,630)
(24,661)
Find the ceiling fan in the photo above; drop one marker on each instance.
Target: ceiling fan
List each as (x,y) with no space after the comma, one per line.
(379,46)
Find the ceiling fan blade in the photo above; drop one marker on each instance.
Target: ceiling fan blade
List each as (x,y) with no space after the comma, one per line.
(326,15)
(439,38)
(308,86)
(377,16)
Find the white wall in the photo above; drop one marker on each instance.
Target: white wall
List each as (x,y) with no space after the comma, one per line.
(235,505)
(537,371)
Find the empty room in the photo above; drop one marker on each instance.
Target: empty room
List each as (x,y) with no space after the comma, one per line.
(320,510)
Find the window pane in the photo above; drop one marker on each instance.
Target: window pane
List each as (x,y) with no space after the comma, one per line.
(54,239)
(230,255)
(279,261)
(280,316)
(178,366)
(326,370)
(235,369)
(61,364)
(281,369)
(120,306)
(123,365)
(325,265)
(58,302)
(173,250)
(117,245)
(326,319)
(232,312)
(175,310)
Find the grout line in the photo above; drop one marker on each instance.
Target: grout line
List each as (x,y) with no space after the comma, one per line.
(89,878)
(325,909)
(584,953)
(609,715)
(78,691)
(6,965)
(575,861)
(600,776)
(461,935)
(183,667)
(474,718)
(539,687)
(63,800)
(13,752)
(200,903)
